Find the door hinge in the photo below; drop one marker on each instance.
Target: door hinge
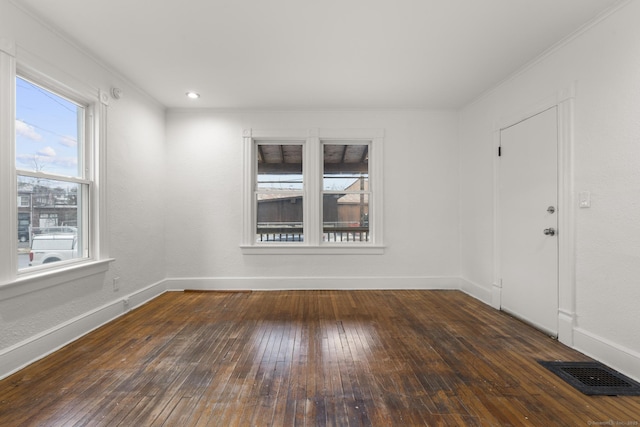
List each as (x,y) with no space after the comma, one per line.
(499,151)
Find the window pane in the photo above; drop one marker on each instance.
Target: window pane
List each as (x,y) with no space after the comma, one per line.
(345,202)
(279,167)
(51,222)
(346,167)
(279,218)
(48,131)
(345,217)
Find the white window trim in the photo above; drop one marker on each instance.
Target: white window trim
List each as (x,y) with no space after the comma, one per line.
(312,140)
(12,281)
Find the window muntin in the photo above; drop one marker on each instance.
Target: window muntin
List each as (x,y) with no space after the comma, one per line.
(51,170)
(279,192)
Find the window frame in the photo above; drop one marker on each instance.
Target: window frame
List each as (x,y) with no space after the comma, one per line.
(326,192)
(14,282)
(313,141)
(257,191)
(85,178)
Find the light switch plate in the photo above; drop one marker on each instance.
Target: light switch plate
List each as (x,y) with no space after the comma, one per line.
(584,199)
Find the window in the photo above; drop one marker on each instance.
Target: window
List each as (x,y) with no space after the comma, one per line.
(318,193)
(53,173)
(279,192)
(345,192)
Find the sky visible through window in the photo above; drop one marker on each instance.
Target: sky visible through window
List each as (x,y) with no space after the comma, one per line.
(46,131)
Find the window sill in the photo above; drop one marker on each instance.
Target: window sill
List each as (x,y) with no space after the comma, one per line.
(278,249)
(35,281)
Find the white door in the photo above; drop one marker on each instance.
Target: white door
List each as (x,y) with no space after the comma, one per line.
(528,220)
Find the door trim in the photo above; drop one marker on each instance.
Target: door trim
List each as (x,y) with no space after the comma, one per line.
(564,101)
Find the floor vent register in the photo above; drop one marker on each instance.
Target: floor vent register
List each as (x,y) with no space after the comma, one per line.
(594,378)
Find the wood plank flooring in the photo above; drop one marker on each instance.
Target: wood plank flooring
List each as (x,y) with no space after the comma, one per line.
(307,358)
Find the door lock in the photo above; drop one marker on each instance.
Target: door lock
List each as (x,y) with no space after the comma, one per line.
(549,231)
(551,209)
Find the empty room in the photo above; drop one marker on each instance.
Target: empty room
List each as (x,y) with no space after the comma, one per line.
(294,212)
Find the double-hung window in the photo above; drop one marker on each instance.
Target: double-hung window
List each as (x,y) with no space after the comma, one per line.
(312,191)
(53,175)
(345,191)
(279,191)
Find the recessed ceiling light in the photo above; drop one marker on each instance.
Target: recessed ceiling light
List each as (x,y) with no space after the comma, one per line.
(193,95)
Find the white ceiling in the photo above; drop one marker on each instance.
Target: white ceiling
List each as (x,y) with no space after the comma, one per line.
(317,54)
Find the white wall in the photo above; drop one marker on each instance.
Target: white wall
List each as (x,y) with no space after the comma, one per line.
(604,64)
(204,167)
(35,323)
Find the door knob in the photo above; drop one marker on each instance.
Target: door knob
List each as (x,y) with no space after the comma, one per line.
(549,231)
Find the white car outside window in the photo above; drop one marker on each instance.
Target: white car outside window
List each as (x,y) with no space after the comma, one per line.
(47,248)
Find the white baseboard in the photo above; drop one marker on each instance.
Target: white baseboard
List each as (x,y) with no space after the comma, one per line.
(18,356)
(475,290)
(310,283)
(566,325)
(623,360)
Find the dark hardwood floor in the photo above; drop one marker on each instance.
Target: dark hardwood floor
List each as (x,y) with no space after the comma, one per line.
(314,358)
